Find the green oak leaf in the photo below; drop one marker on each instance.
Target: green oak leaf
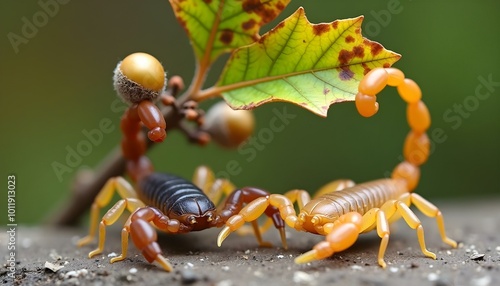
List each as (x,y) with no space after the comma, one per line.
(219,26)
(311,65)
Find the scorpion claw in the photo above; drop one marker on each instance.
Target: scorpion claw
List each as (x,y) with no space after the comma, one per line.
(309,256)
(164,263)
(225,232)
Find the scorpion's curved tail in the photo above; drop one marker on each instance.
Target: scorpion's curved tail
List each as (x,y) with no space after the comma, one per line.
(417,144)
(133,143)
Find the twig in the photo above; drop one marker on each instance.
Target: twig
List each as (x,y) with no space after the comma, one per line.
(84,191)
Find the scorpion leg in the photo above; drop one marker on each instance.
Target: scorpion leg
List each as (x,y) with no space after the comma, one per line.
(302,197)
(144,235)
(102,199)
(379,218)
(204,178)
(258,202)
(430,210)
(281,206)
(412,220)
(341,235)
(111,217)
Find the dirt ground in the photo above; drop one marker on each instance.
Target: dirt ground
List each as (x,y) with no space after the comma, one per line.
(198,261)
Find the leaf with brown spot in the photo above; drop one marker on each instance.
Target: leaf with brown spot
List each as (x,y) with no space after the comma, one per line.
(219,26)
(311,65)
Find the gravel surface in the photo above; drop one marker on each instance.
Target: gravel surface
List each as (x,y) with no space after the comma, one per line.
(48,256)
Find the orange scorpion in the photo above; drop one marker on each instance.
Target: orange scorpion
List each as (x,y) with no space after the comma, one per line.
(342,210)
(167,202)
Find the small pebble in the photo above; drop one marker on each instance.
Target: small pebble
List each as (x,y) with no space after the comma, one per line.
(52,267)
(356,267)
(302,277)
(477,256)
(432,277)
(76,273)
(188,277)
(112,254)
(132,270)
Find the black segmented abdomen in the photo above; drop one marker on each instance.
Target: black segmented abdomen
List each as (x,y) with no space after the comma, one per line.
(173,194)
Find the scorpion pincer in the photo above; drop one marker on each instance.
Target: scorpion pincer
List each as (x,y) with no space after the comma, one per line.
(342,210)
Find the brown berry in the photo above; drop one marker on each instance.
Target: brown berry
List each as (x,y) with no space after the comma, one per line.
(228,127)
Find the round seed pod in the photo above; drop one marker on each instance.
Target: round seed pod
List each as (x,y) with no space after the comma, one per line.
(228,127)
(139,77)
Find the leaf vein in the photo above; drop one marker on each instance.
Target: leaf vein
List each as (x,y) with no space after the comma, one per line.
(282,48)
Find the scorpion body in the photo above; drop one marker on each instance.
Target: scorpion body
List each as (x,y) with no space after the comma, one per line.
(342,210)
(360,198)
(176,198)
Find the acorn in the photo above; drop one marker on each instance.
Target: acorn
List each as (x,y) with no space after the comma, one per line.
(139,77)
(228,127)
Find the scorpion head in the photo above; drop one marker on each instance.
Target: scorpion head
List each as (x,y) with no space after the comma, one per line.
(312,223)
(198,214)
(194,222)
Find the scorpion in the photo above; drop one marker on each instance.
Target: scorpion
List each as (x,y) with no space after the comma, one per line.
(342,210)
(164,201)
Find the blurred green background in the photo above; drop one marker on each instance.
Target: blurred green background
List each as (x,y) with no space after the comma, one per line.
(58,84)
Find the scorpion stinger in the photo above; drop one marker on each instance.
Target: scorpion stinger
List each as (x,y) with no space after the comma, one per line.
(342,210)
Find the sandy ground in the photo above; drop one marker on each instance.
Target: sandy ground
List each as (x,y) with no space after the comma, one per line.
(198,261)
